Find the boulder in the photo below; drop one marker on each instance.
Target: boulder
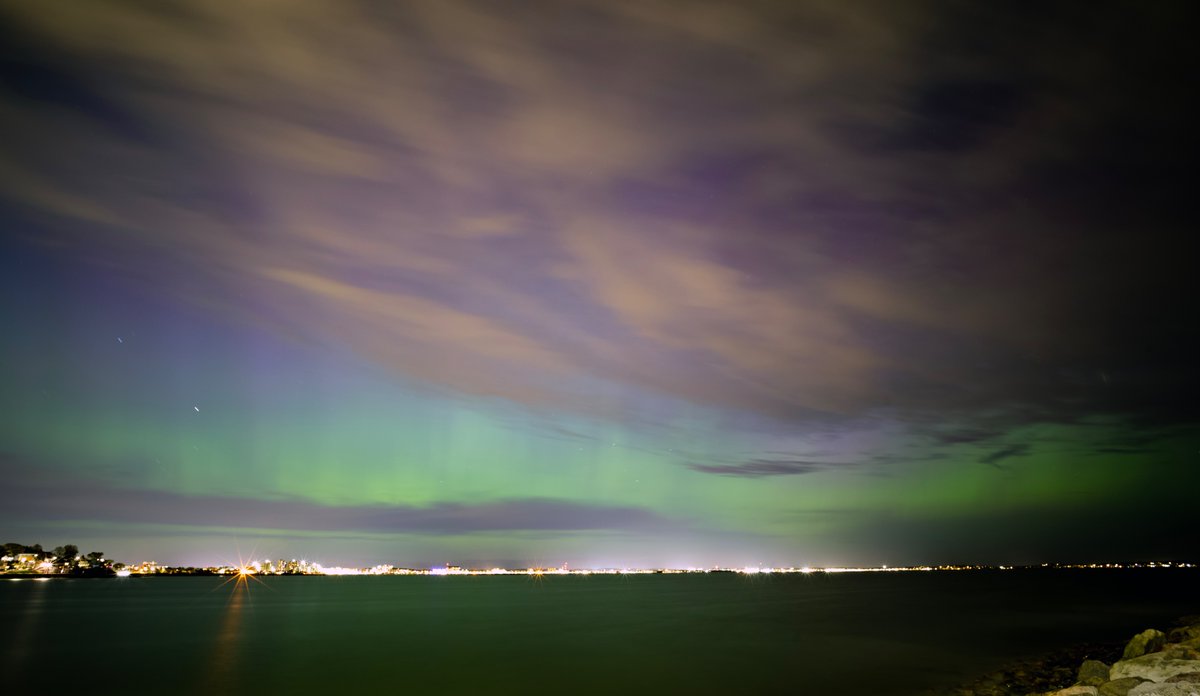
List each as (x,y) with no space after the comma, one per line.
(1180,651)
(1077,690)
(1148,641)
(1152,689)
(1118,687)
(1183,633)
(1189,678)
(1092,673)
(1155,667)
(1189,627)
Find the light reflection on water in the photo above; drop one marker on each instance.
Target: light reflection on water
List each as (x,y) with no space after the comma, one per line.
(225,646)
(22,630)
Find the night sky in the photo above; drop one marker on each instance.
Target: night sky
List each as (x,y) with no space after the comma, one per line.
(605,283)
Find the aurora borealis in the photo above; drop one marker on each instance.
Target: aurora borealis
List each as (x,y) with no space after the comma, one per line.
(600,283)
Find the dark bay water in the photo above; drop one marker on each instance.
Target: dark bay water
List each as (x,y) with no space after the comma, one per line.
(894,633)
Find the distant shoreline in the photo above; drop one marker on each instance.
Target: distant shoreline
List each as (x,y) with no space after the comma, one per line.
(540,573)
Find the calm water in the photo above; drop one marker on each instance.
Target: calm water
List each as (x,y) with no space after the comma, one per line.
(907,633)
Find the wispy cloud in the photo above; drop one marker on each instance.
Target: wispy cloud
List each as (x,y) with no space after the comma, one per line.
(760,468)
(994,458)
(735,220)
(966,436)
(1125,450)
(141,506)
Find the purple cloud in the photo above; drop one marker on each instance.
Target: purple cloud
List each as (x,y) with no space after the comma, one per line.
(453,198)
(158,507)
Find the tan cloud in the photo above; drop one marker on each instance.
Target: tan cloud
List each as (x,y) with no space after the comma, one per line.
(653,198)
(495,225)
(308,150)
(416,319)
(781,344)
(23,185)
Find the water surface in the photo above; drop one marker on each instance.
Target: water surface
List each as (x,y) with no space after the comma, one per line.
(894,633)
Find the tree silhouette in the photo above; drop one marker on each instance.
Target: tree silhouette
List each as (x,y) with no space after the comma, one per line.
(65,558)
(66,554)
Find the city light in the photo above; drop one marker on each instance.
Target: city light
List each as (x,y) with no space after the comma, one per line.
(31,564)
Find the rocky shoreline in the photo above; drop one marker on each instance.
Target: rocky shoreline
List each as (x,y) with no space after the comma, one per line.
(1152,663)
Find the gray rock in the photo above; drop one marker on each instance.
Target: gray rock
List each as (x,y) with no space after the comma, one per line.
(1152,689)
(1092,673)
(1155,667)
(1148,641)
(1118,687)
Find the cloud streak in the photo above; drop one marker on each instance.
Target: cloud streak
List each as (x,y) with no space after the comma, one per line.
(760,468)
(485,221)
(445,518)
(994,458)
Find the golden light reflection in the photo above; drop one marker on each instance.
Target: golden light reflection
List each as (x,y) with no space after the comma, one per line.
(223,663)
(224,655)
(23,629)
